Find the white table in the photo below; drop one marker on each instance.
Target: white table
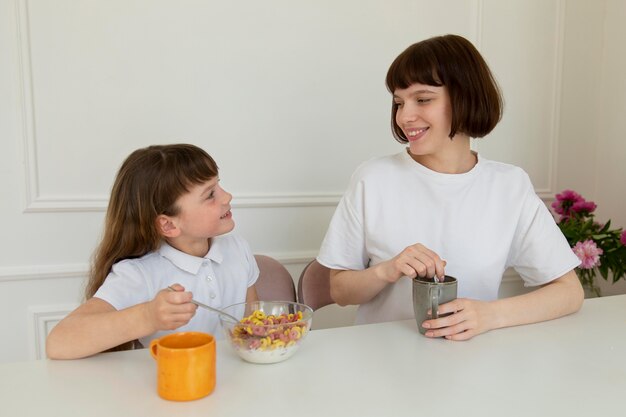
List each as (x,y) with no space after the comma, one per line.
(574,366)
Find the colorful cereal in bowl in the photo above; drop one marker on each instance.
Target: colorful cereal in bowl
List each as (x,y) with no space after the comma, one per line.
(269,331)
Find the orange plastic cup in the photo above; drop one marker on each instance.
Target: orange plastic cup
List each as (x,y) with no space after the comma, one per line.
(185,365)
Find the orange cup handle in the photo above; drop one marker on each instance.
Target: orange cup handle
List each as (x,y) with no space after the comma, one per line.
(153,348)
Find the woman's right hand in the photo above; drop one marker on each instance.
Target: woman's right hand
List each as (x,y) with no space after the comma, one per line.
(415,260)
(170,310)
(349,287)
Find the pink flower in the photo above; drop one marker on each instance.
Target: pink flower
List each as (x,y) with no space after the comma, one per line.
(584,207)
(569,195)
(558,208)
(564,202)
(622,238)
(588,253)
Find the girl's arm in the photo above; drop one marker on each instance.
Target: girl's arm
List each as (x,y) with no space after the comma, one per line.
(251,294)
(96,325)
(358,287)
(558,298)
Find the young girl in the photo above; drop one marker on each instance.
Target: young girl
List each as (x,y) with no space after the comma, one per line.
(167,224)
(438,205)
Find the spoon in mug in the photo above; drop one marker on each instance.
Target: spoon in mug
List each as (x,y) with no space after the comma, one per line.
(213,309)
(435,279)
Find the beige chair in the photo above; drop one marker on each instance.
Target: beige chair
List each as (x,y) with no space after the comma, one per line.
(314,286)
(275,282)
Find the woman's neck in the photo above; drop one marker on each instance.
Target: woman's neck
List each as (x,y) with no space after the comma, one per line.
(456,158)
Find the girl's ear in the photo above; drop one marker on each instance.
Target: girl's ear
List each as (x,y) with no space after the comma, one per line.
(166,226)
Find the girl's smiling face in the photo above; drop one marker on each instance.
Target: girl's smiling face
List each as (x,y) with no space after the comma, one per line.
(204,212)
(425,115)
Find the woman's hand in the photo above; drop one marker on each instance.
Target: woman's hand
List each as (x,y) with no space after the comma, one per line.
(468,319)
(170,310)
(415,260)
(557,298)
(348,287)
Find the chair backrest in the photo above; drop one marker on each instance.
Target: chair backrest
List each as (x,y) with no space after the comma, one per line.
(314,286)
(275,282)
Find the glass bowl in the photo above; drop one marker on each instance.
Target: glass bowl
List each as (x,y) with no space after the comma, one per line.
(268,331)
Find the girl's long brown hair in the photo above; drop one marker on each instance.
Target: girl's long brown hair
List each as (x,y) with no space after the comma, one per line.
(148,184)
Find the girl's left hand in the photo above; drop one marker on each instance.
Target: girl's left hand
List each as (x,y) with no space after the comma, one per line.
(469,318)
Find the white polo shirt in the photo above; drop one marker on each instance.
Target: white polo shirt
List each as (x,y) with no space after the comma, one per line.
(219,279)
(481,222)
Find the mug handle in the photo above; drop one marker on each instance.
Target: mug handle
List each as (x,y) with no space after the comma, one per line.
(434,292)
(154,347)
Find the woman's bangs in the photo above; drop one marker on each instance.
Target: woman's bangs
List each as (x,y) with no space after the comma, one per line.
(412,68)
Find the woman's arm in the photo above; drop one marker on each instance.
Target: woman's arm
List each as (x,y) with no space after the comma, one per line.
(558,298)
(355,287)
(358,287)
(96,325)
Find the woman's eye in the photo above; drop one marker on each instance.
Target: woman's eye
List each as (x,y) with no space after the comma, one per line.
(423,100)
(398,104)
(211,195)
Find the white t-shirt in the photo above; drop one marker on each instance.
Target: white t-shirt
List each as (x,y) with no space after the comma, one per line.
(481,222)
(219,279)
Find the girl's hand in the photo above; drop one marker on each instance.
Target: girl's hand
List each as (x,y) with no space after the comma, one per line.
(415,260)
(170,310)
(469,318)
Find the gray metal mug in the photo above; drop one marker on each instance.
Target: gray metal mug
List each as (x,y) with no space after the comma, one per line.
(428,294)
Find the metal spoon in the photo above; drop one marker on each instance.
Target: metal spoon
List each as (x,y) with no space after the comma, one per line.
(213,309)
(437,281)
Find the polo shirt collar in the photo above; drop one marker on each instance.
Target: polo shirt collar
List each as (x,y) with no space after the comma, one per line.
(216,251)
(190,263)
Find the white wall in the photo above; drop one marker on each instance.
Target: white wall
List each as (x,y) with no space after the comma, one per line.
(591,148)
(289,98)
(611,152)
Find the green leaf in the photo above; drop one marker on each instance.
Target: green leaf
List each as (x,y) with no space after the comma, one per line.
(606,227)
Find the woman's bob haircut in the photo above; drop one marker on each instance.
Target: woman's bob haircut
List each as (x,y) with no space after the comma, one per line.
(450,61)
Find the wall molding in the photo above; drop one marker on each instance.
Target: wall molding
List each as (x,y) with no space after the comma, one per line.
(38,203)
(557,81)
(25,273)
(99,203)
(26,103)
(81,270)
(547,192)
(39,272)
(41,319)
(35,202)
(250,201)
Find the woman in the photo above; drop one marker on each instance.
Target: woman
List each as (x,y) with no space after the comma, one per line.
(438,207)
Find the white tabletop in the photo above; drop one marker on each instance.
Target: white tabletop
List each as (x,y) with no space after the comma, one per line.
(574,366)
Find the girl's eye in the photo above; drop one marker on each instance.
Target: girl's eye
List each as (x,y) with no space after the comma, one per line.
(211,195)
(398,104)
(423,100)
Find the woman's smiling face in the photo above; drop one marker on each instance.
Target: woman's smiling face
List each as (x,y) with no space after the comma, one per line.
(425,115)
